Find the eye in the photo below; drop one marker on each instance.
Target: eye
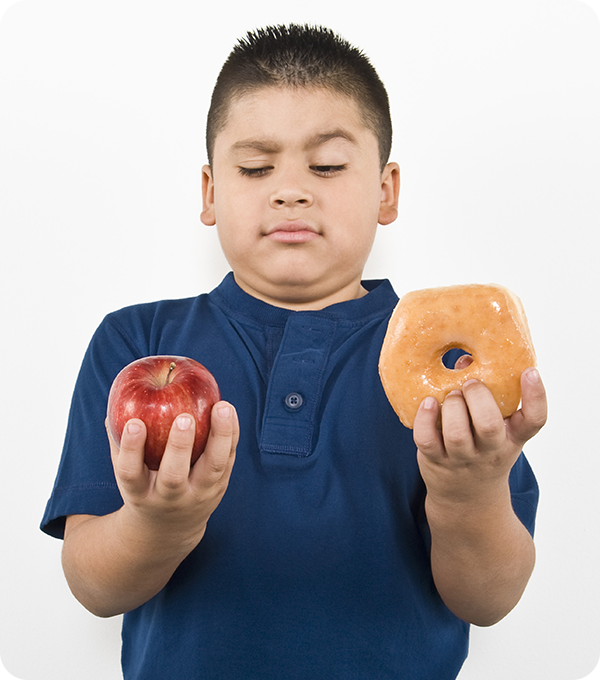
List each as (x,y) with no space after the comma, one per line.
(327,170)
(254,172)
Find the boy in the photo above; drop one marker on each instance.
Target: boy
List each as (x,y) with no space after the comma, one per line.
(337,546)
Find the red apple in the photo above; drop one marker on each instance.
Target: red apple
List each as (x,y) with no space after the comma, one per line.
(156,390)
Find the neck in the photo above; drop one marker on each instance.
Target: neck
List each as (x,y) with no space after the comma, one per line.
(298,300)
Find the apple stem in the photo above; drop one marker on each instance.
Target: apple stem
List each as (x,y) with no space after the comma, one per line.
(171,367)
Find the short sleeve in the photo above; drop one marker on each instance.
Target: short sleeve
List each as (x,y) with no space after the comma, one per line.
(524,492)
(85,482)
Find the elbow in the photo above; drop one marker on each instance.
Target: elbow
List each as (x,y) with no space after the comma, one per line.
(89,597)
(488,620)
(102,610)
(484,614)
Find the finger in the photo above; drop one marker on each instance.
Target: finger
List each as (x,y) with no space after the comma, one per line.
(216,462)
(128,458)
(174,469)
(463,361)
(486,419)
(456,426)
(532,416)
(426,433)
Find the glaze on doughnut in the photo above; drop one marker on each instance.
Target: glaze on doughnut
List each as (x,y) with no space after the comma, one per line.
(487,321)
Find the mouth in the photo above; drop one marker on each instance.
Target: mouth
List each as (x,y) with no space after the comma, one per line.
(294,231)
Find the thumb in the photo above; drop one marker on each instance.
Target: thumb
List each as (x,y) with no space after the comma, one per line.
(532,415)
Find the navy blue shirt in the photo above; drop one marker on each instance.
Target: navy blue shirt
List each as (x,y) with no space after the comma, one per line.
(316,562)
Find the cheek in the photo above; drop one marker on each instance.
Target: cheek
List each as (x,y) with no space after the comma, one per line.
(230,237)
(238,204)
(359,206)
(236,235)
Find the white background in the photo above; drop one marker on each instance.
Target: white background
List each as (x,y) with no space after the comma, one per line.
(496,107)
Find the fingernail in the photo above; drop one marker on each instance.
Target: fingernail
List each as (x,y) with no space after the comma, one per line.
(134,428)
(429,403)
(224,411)
(471,381)
(184,422)
(533,375)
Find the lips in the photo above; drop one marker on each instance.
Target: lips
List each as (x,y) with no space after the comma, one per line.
(295,231)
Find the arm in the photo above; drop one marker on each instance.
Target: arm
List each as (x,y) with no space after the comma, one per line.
(481,554)
(115,563)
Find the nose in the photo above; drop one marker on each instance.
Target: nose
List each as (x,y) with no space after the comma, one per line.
(290,192)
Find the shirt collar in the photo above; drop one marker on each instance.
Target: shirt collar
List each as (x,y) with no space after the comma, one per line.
(380,300)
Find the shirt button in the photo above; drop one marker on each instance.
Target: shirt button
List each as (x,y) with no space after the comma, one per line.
(294,401)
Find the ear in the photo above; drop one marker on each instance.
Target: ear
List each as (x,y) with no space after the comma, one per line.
(390,190)
(207,216)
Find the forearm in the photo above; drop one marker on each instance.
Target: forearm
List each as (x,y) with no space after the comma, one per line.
(481,558)
(115,563)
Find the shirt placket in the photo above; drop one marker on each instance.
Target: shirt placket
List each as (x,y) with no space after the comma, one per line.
(296,385)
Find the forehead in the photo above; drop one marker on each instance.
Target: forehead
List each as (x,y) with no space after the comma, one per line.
(311,116)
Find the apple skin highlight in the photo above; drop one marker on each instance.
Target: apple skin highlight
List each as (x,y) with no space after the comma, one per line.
(156,389)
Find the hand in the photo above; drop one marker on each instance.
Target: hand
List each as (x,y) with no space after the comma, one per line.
(470,457)
(176,501)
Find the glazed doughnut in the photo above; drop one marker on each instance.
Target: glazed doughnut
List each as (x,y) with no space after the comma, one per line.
(487,321)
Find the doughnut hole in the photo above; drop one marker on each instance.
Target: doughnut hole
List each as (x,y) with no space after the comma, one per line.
(453,359)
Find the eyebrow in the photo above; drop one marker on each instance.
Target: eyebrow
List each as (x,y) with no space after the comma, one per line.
(324,137)
(269,146)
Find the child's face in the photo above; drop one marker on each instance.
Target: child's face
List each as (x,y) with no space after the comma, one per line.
(296,192)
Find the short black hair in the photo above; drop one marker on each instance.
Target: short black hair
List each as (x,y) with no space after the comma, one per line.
(301,56)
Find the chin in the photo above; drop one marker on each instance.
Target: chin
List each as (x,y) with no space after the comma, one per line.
(291,278)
